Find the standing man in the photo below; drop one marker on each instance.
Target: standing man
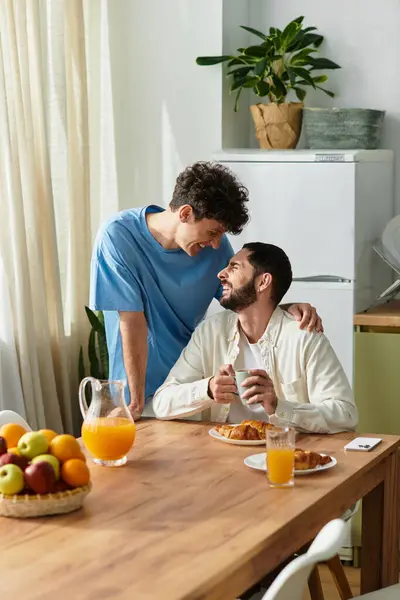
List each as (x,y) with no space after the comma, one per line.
(154,274)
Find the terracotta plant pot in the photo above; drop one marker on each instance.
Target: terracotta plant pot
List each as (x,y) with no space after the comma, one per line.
(278,126)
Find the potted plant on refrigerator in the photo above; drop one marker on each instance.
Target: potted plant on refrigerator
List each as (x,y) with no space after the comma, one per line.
(284,61)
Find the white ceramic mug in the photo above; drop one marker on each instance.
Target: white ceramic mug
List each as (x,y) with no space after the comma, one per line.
(240,376)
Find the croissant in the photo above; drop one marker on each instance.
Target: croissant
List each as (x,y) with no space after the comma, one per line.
(260,426)
(307,459)
(247,430)
(237,432)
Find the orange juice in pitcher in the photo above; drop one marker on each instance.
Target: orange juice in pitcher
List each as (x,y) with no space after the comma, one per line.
(109,438)
(108,430)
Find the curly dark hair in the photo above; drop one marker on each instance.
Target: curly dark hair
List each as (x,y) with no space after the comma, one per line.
(213,192)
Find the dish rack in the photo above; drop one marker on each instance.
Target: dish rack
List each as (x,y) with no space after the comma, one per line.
(393,288)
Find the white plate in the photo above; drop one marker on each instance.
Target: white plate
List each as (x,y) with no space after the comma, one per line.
(258,461)
(217,436)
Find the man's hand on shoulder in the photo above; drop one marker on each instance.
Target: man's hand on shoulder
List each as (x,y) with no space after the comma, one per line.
(222,387)
(306,315)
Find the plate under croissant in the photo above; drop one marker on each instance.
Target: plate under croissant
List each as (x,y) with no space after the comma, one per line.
(258,462)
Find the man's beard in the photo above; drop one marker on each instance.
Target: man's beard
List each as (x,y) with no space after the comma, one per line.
(241,298)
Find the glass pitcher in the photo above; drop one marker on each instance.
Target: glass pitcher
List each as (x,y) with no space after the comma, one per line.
(108,429)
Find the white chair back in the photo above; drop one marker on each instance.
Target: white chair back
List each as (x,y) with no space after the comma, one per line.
(292,581)
(9,416)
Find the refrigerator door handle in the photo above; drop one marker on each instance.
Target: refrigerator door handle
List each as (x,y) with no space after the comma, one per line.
(323,279)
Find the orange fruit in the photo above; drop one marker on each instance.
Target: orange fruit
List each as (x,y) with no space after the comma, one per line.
(12,433)
(75,472)
(14,451)
(49,434)
(82,457)
(64,447)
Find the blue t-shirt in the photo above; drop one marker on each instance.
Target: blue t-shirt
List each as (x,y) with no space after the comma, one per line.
(131,271)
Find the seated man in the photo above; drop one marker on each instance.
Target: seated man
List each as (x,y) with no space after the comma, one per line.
(296,378)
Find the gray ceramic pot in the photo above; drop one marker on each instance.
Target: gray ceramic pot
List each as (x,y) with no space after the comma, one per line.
(343,128)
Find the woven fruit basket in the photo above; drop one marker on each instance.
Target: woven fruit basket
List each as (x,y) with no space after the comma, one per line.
(40,505)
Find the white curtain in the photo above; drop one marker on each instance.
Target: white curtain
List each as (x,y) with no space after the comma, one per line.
(57,182)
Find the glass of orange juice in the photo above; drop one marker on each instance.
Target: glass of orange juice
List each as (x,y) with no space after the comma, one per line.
(280,456)
(108,429)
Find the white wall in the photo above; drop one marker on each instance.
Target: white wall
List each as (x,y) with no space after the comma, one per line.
(235,126)
(168,110)
(363,37)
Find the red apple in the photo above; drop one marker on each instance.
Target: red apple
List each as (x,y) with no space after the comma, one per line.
(61,486)
(40,477)
(13,459)
(3,445)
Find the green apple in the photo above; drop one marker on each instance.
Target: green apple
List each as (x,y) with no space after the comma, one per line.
(50,459)
(32,444)
(11,479)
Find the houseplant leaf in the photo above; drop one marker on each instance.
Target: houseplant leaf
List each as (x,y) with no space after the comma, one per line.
(256,51)
(260,67)
(262,88)
(94,361)
(93,319)
(255,32)
(300,93)
(274,31)
(236,107)
(304,74)
(206,61)
(278,89)
(327,92)
(302,55)
(303,40)
(320,79)
(240,72)
(81,365)
(284,60)
(323,63)
(246,82)
(308,29)
(242,59)
(291,76)
(237,83)
(290,32)
(251,82)
(298,20)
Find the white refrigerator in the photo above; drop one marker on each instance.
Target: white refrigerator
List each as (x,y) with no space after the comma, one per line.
(325,209)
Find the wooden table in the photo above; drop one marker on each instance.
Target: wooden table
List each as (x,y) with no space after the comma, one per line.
(185,519)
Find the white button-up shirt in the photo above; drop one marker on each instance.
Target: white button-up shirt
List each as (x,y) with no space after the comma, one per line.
(313,392)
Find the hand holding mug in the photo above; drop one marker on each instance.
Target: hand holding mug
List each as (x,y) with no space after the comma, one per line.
(259,389)
(222,387)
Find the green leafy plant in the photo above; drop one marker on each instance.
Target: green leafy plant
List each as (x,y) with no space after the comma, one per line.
(283,61)
(97,348)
